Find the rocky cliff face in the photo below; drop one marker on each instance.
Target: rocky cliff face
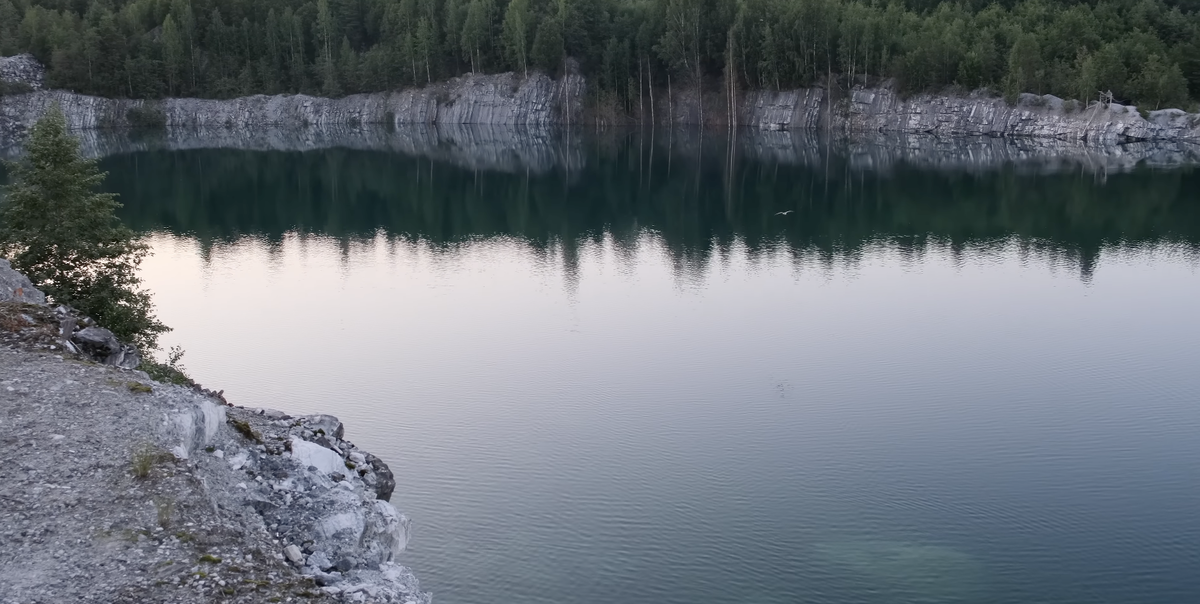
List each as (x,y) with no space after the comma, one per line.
(539,101)
(503,100)
(976,114)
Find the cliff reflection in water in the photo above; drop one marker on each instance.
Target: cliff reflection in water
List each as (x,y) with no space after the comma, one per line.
(691,192)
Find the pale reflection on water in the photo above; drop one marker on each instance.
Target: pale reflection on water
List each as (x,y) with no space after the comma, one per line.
(598,420)
(609,369)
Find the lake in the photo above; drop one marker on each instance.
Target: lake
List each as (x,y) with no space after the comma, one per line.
(606,367)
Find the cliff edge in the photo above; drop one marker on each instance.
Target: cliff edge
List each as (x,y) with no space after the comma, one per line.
(119,489)
(509,99)
(501,100)
(883,110)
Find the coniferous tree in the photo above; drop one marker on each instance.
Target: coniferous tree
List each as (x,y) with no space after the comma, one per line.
(1141,51)
(65,236)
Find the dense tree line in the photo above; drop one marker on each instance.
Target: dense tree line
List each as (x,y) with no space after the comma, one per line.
(1144,51)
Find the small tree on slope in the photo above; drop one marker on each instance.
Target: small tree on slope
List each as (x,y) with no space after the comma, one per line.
(65,236)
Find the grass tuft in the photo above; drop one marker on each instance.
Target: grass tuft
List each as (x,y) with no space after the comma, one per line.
(146,458)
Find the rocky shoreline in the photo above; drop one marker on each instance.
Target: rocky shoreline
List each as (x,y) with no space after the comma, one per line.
(538,101)
(123,489)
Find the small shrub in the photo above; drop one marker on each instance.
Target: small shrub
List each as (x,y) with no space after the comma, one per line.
(245,429)
(171,372)
(139,388)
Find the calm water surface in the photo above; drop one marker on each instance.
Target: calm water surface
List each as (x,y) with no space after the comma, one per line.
(615,374)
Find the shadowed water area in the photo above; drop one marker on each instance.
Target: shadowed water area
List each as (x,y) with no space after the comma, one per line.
(605,369)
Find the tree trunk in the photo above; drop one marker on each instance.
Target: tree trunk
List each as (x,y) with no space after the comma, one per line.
(699,74)
(670,102)
(641,104)
(650,83)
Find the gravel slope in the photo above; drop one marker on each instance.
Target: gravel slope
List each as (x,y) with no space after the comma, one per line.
(120,489)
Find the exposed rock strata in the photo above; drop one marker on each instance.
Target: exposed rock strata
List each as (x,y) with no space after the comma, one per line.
(977,114)
(503,100)
(539,101)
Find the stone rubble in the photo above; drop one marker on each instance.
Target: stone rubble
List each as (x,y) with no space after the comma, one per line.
(23,69)
(121,489)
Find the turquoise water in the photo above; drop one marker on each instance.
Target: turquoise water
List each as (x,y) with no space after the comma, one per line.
(608,371)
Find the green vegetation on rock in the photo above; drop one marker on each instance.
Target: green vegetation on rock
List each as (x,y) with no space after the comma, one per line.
(1143,51)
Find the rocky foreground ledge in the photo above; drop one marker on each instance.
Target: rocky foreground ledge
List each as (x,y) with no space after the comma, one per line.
(121,489)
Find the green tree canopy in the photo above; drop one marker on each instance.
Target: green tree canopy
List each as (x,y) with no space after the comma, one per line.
(65,236)
(1146,52)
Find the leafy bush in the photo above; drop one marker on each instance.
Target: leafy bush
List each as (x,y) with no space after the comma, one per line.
(170,372)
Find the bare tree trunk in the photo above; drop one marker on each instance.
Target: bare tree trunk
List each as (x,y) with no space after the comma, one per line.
(650,82)
(699,74)
(670,102)
(641,104)
(731,77)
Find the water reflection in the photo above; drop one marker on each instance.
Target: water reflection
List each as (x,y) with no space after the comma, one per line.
(628,374)
(688,189)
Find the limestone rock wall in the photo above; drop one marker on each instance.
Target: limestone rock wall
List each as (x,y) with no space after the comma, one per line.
(540,101)
(504,99)
(884,110)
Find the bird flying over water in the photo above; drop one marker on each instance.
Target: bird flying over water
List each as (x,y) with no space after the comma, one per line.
(784,213)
